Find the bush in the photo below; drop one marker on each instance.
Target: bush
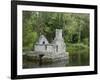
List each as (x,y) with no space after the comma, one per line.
(86,41)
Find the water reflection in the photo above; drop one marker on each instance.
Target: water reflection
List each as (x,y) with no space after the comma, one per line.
(60,63)
(74,60)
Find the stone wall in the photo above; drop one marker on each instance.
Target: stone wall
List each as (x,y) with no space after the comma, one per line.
(44,48)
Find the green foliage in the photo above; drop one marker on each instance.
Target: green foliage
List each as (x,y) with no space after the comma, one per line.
(78,54)
(75,27)
(86,41)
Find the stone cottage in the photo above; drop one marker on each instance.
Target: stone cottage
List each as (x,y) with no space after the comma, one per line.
(54,50)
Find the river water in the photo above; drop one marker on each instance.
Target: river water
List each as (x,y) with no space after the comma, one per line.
(73,61)
(61,63)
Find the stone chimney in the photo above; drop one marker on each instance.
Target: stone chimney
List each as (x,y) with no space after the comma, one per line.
(58,33)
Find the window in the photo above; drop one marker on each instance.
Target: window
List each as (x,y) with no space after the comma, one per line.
(45,47)
(43,42)
(56,48)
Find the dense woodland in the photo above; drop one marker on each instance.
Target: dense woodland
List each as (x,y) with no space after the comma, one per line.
(75,28)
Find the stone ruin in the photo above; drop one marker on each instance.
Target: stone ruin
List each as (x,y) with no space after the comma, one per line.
(56,50)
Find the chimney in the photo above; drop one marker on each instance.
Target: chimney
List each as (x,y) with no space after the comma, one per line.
(58,33)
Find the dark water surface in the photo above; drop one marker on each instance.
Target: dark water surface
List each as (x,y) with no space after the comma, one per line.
(74,60)
(54,64)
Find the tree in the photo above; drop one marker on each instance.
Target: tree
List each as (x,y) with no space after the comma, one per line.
(74,26)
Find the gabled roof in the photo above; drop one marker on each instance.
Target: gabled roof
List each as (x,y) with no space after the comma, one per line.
(42,39)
